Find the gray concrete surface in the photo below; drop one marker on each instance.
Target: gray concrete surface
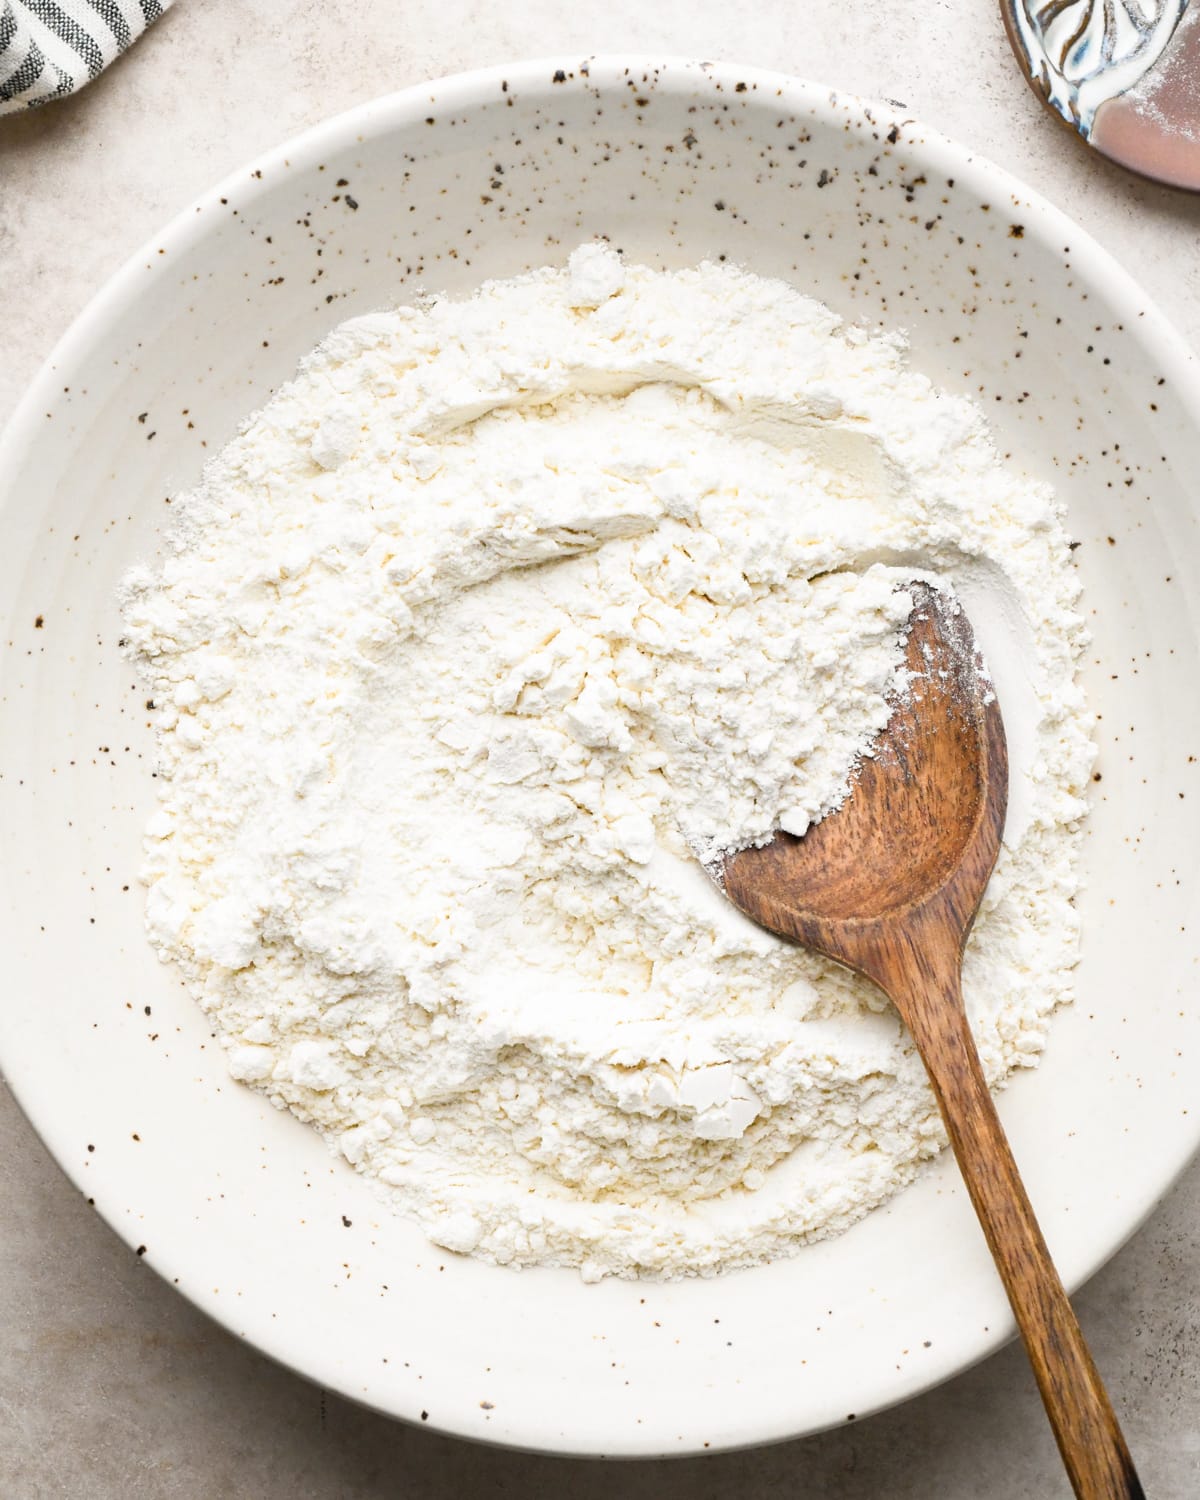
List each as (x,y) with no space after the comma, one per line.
(110,1384)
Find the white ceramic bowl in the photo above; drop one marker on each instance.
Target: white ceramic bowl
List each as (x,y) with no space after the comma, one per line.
(241,1207)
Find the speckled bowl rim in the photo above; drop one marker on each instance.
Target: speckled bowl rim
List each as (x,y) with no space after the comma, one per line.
(463,90)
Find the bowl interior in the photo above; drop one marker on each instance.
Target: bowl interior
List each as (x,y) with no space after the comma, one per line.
(441,187)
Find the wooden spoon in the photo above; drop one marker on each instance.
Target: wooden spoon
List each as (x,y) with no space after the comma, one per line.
(889,885)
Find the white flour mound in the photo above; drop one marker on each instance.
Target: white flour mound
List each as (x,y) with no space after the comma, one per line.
(496,620)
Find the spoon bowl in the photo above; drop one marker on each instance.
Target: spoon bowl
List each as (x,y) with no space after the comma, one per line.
(922,824)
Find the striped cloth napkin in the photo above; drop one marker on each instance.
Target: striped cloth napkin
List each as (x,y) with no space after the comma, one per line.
(49,48)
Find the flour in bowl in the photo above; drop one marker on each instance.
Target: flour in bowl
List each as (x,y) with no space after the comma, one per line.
(481,636)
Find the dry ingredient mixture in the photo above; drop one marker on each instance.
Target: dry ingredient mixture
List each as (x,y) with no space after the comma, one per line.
(481,636)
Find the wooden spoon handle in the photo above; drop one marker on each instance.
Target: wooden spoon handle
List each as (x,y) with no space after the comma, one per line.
(1089,1437)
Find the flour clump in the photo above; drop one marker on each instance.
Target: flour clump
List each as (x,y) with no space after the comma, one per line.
(477,643)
